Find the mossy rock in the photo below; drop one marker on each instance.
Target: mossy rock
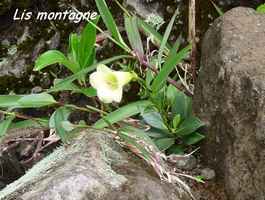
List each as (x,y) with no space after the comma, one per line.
(94,167)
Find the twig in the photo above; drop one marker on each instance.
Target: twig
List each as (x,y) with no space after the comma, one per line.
(192,36)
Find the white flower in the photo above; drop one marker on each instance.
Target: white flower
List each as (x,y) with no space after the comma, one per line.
(109,83)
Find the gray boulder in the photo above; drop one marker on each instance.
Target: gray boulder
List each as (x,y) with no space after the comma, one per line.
(230,99)
(94,167)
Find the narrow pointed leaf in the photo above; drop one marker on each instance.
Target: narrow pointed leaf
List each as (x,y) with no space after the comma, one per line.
(134,35)
(193,138)
(5,124)
(189,126)
(164,143)
(219,11)
(109,21)
(68,86)
(149,31)
(138,139)
(122,113)
(87,44)
(165,37)
(89,92)
(36,100)
(154,119)
(74,46)
(172,60)
(37,123)
(9,100)
(56,121)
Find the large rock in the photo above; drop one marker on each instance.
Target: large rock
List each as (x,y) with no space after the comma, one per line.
(94,167)
(230,98)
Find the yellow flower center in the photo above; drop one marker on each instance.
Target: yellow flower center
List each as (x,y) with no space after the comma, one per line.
(111,81)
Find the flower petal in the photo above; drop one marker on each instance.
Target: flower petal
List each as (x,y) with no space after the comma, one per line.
(123,77)
(96,79)
(103,69)
(117,95)
(109,83)
(108,96)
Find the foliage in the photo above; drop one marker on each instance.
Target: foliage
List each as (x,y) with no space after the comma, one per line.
(261,9)
(81,52)
(172,125)
(218,9)
(164,109)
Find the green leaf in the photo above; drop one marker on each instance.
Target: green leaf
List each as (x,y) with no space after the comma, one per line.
(159,98)
(151,32)
(9,100)
(59,116)
(149,78)
(261,9)
(193,138)
(122,113)
(74,46)
(140,140)
(134,35)
(188,126)
(219,11)
(109,21)
(92,58)
(5,124)
(36,100)
(37,123)
(199,179)
(176,149)
(87,44)
(176,121)
(68,126)
(172,60)
(165,37)
(154,119)
(67,86)
(52,57)
(89,92)
(180,103)
(157,133)
(26,101)
(165,143)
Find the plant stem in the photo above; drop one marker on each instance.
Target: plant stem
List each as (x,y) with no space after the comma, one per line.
(87,109)
(21,116)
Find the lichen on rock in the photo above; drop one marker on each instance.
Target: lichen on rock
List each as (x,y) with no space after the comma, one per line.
(95,167)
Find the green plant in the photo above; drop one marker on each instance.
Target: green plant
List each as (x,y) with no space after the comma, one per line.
(81,53)
(164,108)
(218,9)
(261,9)
(172,125)
(81,60)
